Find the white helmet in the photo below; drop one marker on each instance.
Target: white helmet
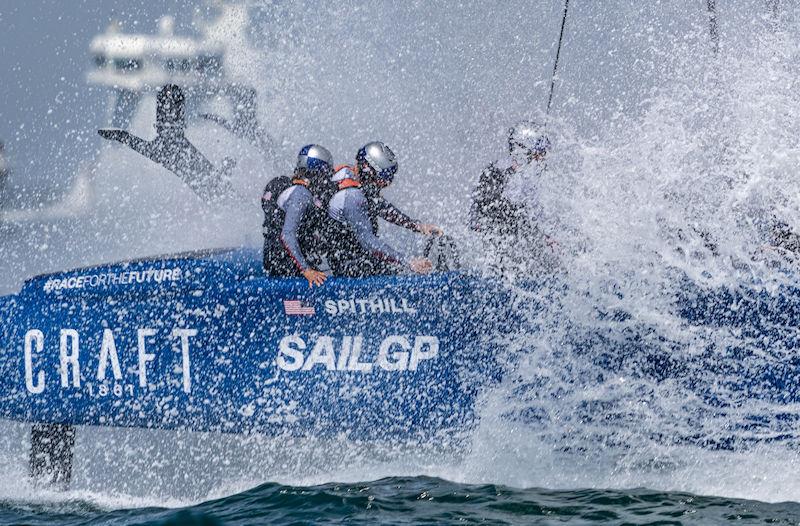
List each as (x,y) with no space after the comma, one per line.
(380,159)
(527,139)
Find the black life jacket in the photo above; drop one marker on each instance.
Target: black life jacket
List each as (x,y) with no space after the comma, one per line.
(273,215)
(314,228)
(491,212)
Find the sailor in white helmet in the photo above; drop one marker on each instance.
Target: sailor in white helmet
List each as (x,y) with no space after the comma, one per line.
(492,212)
(355,248)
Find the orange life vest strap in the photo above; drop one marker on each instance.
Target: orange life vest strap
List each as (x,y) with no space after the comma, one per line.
(348,183)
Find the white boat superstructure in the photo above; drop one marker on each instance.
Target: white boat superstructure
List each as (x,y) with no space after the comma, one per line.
(133,66)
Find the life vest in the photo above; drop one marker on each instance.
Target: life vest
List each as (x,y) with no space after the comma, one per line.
(312,234)
(345,252)
(273,215)
(345,177)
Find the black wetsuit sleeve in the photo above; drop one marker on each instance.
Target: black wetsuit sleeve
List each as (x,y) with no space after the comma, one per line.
(392,214)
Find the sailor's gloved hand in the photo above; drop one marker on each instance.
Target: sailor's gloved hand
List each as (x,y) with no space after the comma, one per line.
(429,229)
(421,265)
(314,277)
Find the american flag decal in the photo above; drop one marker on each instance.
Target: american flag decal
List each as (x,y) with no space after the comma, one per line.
(298,308)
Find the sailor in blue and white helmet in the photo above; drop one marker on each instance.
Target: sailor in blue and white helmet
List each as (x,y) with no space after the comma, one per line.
(357,206)
(315,165)
(295,216)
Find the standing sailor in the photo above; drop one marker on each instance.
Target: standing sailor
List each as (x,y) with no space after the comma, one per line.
(295,217)
(492,211)
(356,250)
(505,221)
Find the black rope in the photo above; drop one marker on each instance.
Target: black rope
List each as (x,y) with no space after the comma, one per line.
(558,53)
(712,25)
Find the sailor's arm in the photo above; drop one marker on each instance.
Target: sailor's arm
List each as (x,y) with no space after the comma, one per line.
(392,214)
(355,213)
(294,208)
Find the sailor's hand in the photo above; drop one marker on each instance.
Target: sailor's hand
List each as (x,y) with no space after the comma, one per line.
(314,277)
(421,265)
(429,229)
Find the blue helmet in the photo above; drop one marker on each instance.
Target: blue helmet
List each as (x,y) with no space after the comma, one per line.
(380,160)
(315,158)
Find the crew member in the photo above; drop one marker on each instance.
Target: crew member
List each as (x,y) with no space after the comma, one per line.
(492,212)
(355,248)
(295,217)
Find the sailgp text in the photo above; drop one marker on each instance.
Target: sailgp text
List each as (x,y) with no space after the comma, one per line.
(395,353)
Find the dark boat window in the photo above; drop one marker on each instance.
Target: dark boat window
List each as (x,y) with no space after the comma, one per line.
(127,64)
(209,64)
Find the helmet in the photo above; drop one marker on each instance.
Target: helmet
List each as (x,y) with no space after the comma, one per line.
(526,139)
(381,161)
(315,158)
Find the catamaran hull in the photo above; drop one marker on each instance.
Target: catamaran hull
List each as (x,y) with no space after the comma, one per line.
(206,343)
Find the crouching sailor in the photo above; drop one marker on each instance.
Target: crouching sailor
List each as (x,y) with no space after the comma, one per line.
(355,248)
(295,217)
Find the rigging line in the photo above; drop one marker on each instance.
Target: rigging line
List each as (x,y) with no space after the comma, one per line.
(555,63)
(712,25)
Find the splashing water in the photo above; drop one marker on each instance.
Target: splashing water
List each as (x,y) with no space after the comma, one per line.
(615,387)
(606,384)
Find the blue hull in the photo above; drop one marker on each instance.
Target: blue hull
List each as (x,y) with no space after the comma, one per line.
(205,342)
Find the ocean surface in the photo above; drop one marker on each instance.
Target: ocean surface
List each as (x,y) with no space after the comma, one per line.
(417,500)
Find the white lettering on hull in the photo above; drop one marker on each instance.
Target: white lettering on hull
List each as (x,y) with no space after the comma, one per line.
(395,353)
(69,358)
(369,306)
(132,277)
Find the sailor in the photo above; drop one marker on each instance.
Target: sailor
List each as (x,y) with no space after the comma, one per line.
(355,248)
(295,217)
(492,211)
